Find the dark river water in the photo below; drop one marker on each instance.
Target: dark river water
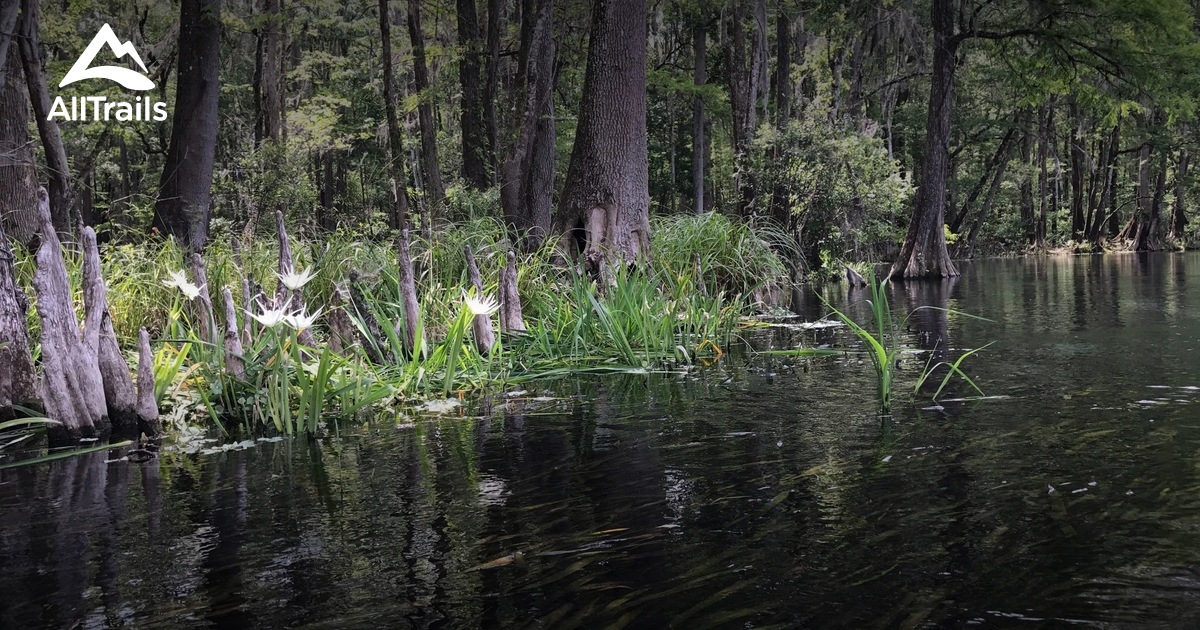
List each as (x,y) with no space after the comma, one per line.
(758,492)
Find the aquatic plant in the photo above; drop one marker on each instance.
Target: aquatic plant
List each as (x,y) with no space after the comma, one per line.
(882,342)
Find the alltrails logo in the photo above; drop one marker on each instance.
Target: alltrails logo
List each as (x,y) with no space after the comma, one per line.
(99,107)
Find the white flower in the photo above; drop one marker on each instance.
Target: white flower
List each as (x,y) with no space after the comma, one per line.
(270,317)
(301,320)
(294,281)
(483,305)
(179,281)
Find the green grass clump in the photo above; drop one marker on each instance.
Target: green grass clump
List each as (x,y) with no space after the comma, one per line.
(674,310)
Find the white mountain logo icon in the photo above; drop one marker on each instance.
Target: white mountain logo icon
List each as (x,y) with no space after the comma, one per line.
(126,77)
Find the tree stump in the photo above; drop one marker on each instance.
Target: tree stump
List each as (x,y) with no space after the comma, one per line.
(511,319)
(407,329)
(119,393)
(481,326)
(204,304)
(72,387)
(234,365)
(18,380)
(370,322)
(147,406)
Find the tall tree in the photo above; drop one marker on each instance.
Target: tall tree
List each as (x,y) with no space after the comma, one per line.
(184,206)
(699,123)
(398,218)
(434,190)
(604,214)
(924,251)
(269,67)
(527,174)
(57,167)
(475,158)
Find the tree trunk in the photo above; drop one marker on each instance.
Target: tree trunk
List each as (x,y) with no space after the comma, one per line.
(491,88)
(399,216)
(18,172)
(147,406)
(1179,213)
(1001,155)
(741,103)
(527,174)
(924,254)
(57,167)
(1078,165)
(72,387)
(481,325)
(1043,155)
(18,381)
(699,141)
(474,133)
(8,27)
(1108,176)
(604,216)
(967,248)
(434,190)
(184,204)
(270,107)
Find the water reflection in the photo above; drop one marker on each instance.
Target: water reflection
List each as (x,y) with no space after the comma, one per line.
(758,492)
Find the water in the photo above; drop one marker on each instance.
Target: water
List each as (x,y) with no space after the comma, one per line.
(759,492)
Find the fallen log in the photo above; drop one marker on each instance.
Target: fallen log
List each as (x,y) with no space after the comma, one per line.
(72,387)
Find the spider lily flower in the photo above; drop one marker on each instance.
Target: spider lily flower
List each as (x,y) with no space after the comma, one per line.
(301,320)
(294,281)
(271,317)
(482,305)
(179,281)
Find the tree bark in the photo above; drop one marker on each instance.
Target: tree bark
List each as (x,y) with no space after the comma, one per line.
(270,107)
(407,329)
(699,124)
(1179,212)
(8,27)
(399,216)
(474,133)
(511,317)
(967,248)
(18,381)
(1078,165)
(741,102)
(72,386)
(18,172)
(119,393)
(234,365)
(147,406)
(924,254)
(434,191)
(527,174)
(58,169)
(184,205)
(604,217)
(492,81)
